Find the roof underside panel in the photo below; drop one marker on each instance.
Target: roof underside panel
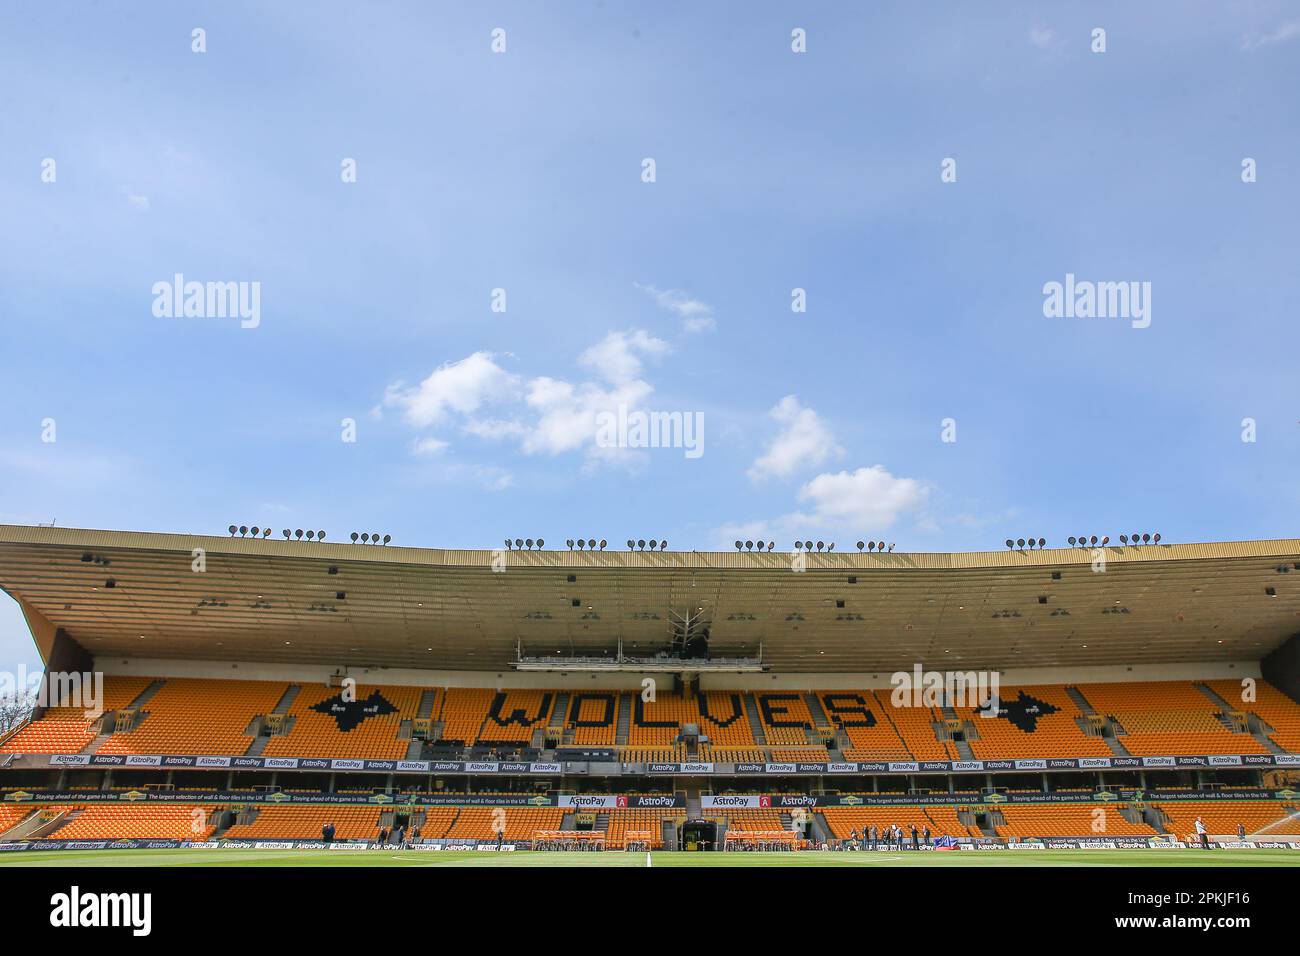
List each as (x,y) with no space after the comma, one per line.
(277,601)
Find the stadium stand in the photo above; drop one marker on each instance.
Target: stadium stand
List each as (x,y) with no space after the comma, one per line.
(1060,820)
(623,820)
(916,727)
(785,716)
(656,723)
(153,822)
(593,718)
(1271,706)
(184,715)
(306,823)
(711,753)
(858,714)
(800,754)
(723,719)
(1265,818)
(517,823)
(464,710)
(423,755)
(197,717)
(436,822)
(514,716)
(942,821)
(1162,717)
(653,755)
(11,816)
(67,730)
(324,725)
(752,820)
(1033,722)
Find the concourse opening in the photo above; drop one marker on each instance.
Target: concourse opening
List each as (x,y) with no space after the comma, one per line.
(699,835)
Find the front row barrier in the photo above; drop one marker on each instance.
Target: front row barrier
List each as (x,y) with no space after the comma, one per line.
(638,840)
(760,840)
(568,840)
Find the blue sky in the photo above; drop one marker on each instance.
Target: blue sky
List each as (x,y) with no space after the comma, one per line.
(775,170)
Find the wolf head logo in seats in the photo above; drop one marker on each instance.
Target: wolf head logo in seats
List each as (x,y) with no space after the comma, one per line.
(1024,711)
(350,714)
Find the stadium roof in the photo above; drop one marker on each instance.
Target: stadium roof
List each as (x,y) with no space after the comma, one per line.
(276,601)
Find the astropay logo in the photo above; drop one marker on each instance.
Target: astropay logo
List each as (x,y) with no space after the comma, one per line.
(731,801)
(102,910)
(654,802)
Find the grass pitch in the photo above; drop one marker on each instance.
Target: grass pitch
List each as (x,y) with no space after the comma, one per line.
(523,858)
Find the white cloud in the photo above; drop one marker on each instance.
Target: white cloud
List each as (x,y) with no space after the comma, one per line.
(566,414)
(495,429)
(547,415)
(1287,31)
(461,387)
(493,479)
(138,201)
(804,441)
(864,500)
(844,505)
(428,447)
(696,316)
(1043,38)
(617,357)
